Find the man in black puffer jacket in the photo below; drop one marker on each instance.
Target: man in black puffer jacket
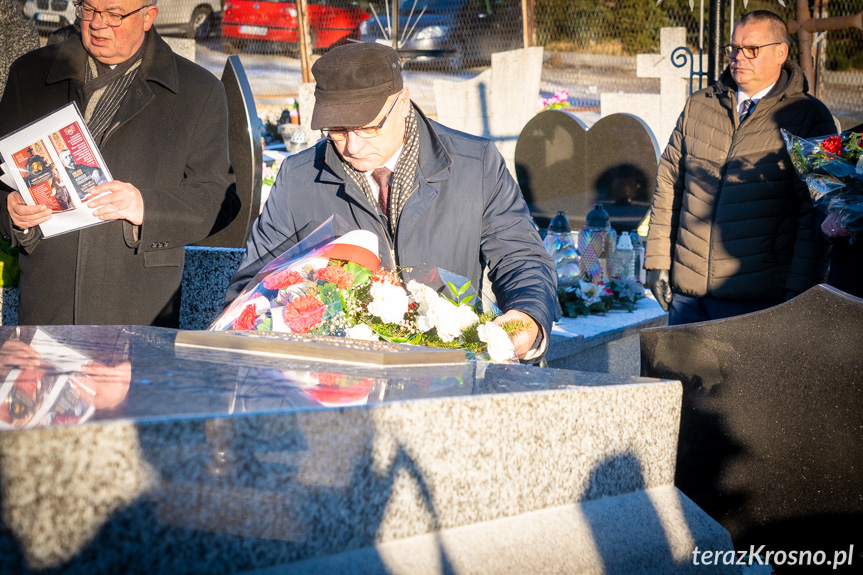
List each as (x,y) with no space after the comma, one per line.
(731,226)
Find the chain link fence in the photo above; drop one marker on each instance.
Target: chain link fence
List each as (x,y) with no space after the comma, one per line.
(590,45)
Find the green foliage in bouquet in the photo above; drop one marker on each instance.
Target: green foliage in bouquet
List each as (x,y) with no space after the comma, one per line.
(597,298)
(319,289)
(9,269)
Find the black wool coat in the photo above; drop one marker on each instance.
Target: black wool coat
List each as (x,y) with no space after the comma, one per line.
(169,139)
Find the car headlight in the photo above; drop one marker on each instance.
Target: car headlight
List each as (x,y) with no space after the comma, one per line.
(432,32)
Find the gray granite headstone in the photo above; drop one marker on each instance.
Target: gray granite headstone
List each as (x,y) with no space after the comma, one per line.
(561,165)
(244,139)
(770,434)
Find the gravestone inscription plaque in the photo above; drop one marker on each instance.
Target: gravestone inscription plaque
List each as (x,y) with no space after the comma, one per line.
(772,414)
(560,164)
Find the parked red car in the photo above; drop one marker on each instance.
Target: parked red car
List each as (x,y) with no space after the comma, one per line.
(254,21)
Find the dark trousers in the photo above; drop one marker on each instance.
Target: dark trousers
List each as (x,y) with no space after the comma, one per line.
(688,309)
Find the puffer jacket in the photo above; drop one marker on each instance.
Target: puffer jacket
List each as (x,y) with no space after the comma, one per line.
(730,217)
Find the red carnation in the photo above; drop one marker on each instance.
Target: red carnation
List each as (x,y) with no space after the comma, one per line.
(336,275)
(246,321)
(833,144)
(282,279)
(385,277)
(304,313)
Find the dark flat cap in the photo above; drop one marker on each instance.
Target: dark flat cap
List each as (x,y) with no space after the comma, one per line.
(353,84)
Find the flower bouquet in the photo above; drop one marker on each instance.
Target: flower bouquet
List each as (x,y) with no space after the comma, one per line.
(334,286)
(586,298)
(557,101)
(832,167)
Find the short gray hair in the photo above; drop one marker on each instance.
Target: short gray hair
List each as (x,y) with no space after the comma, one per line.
(778,27)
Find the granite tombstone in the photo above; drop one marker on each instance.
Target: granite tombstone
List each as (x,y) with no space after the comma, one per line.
(770,428)
(246,155)
(189,461)
(561,165)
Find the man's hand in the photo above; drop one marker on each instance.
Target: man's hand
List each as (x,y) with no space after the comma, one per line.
(660,286)
(109,384)
(523,339)
(121,202)
(15,354)
(23,215)
(831,228)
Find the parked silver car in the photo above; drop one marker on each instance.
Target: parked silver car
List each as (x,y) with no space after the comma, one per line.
(448,34)
(189,18)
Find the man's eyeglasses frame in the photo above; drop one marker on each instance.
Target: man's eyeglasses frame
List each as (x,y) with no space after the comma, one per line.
(366,132)
(111,19)
(730,49)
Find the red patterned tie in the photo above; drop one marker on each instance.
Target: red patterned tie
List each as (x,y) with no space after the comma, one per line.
(381,176)
(746,109)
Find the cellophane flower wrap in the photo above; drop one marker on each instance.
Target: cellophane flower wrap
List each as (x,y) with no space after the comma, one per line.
(335,286)
(832,167)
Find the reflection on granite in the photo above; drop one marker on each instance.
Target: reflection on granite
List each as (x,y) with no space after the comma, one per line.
(213,462)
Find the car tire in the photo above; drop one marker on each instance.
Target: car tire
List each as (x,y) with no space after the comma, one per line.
(231,46)
(201,23)
(456,62)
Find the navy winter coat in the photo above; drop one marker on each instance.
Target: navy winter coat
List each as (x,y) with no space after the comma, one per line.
(465,213)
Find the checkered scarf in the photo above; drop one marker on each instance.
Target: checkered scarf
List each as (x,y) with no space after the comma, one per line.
(403,180)
(104,90)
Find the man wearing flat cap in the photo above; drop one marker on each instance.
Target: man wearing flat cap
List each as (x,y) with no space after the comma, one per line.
(435,197)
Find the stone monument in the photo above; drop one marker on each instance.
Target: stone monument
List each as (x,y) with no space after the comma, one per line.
(659,111)
(772,412)
(244,139)
(497,103)
(199,461)
(561,165)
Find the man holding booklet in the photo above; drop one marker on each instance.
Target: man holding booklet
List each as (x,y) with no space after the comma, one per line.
(161,125)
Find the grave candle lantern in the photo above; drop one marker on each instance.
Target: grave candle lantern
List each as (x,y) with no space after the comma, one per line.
(596,246)
(560,244)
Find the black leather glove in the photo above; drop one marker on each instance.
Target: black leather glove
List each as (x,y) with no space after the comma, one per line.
(660,286)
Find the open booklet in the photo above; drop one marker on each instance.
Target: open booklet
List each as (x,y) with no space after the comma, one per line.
(49,394)
(53,161)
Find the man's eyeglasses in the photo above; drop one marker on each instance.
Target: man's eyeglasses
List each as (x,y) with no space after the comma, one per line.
(341,134)
(749,52)
(112,19)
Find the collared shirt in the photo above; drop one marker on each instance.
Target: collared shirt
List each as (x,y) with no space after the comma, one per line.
(391,164)
(742,97)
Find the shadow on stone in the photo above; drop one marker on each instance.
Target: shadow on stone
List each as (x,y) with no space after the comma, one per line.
(770,427)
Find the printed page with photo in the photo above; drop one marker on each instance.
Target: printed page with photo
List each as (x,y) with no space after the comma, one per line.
(54,162)
(51,393)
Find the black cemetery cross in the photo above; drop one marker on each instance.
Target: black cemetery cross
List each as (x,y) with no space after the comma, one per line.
(561,165)
(771,431)
(244,139)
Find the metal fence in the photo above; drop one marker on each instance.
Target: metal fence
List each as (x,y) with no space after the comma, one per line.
(590,45)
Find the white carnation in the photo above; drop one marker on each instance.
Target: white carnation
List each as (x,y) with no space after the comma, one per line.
(425,322)
(466,317)
(445,316)
(422,294)
(389,302)
(500,347)
(361,331)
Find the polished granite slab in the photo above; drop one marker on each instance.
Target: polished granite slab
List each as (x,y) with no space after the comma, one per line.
(122,453)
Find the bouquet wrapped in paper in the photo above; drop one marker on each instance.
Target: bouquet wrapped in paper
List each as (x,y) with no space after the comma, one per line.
(832,167)
(328,285)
